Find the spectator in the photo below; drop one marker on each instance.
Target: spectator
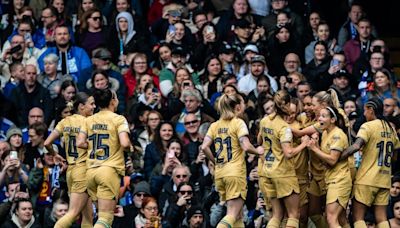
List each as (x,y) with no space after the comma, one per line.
(310,33)
(395,221)
(162,57)
(211,79)
(31,94)
(146,137)
(195,218)
(292,63)
(148,216)
(316,71)
(72,59)
(35,115)
(49,20)
(249,52)
(341,84)
(12,171)
(382,88)
(390,107)
(258,68)
(50,78)
(91,34)
(208,44)
(17,74)
(14,137)
(22,216)
(59,209)
(192,138)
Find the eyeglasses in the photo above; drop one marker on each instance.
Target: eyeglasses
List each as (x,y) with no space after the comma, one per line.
(181,176)
(140,63)
(151,208)
(191,122)
(154,119)
(45,17)
(96,18)
(24,30)
(186,192)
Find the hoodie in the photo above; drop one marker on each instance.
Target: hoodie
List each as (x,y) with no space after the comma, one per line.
(131,32)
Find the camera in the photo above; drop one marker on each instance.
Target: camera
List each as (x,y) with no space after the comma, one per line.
(15,49)
(289,80)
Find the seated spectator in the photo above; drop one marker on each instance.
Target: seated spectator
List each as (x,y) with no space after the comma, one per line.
(50,78)
(50,23)
(72,59)
(227,55)
(192,138)
(31,94)
(14,137)
(176,36)
(35,115)
(195,217)
(316,71)
(209,43)
(376,62)
(249,52)
(22,216)
(59,209)
(162,57)
(149,215)
(395,207)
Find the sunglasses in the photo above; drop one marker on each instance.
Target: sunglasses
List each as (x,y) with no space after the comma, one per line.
(188,192)
(142,194)
(96,18)
(191,122)
(181,176)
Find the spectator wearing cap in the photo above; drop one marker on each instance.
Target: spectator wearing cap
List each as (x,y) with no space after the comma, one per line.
(167,75)
(14,137)
(341,84)
(249,52)
(101,59)
(258,67)
(126,215)
(72,59)
(50,78)
(124,38)
(195,218)
(227,54)
(242,35)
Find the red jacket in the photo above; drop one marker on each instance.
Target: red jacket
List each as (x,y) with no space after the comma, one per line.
(155,12)
(130,81)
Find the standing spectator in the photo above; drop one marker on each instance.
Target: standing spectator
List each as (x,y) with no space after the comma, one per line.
(310,33)
(49,20)
(72,59)
(359,45)
(31,94)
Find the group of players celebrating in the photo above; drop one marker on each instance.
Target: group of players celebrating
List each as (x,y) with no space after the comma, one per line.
(305,162)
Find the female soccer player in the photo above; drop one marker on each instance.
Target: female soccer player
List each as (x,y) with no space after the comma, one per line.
(337,176)
(279,168)
(230,137)
(106,136)
(378,142)
(69,128)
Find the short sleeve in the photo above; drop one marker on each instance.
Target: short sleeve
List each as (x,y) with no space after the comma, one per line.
(122,124)
(84,128)
(242,129)
(211,131)
(364,132)
(60,126)
(338,142)
(285,135)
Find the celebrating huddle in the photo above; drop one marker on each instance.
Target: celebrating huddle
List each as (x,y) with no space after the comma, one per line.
(306,162)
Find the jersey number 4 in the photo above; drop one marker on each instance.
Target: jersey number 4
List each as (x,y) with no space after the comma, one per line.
(385,153)
(219,146)
(98,144)
(72,151)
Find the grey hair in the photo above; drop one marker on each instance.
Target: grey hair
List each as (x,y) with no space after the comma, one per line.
(192,93)
(182,167)
(52,58)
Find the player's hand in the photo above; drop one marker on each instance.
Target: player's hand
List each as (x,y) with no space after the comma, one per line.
(260,150)
(200,157)
(119,211)
(305,139)
(253,176)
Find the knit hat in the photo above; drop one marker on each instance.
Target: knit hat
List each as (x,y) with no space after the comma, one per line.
(13,130)
(142,186)
(194,210)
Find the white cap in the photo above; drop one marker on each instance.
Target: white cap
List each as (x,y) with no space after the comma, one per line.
(250,47)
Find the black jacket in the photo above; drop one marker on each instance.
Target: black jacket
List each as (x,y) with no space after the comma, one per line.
(318,76)
(24,101)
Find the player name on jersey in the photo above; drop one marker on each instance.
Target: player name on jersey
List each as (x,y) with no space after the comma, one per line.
(103,127)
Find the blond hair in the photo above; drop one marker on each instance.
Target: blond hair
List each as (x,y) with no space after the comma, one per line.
(226,105)
(329,97)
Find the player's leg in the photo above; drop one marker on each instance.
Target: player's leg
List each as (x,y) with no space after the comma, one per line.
(359,210)
(333,210)
(277,213)
(87,214)
(292,204)
(106,213)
